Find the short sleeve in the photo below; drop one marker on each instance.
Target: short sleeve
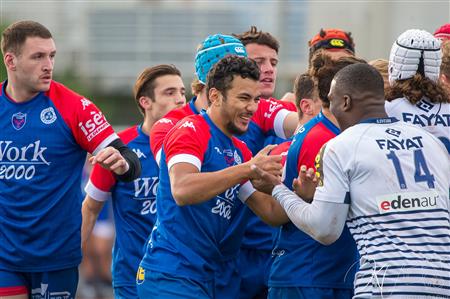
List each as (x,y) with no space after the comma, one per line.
(270,117)
(87,123)
(100,183)
(333,185)
(246,188)
(93,132)
(187,142)
(157,135)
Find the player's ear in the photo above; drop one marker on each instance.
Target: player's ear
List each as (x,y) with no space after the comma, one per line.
(215,97)
(9,60)
(347,104)
(306,106)
(145,102)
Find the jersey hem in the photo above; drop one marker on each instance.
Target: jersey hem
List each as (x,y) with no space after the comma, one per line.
(41,269)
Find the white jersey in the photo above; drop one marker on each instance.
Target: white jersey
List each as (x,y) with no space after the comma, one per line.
(396,179)
(433,117)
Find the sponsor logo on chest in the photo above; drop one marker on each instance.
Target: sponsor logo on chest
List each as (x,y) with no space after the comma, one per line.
(411,201)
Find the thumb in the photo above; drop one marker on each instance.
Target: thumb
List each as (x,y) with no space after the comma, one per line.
(267,149)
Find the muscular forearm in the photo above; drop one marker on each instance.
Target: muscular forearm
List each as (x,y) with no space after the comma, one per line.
(90,211)
(267,208)
(323,221)
(198,187)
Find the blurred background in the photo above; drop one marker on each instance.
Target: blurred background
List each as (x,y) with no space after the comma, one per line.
(102,46)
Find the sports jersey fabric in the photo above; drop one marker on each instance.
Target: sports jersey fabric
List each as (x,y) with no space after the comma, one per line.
(300,261)
(433,117)
(191,241)
(394,177)
(134,206)
(43,147)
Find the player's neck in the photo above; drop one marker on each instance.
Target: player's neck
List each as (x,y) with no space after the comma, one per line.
(202,101)
(217,119)
(147,125)
(17,93)
(327,113)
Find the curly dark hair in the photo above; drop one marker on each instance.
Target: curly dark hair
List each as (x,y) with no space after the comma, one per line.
(253,36)
(417,87)
(323,68)
(445,65)
(222,74)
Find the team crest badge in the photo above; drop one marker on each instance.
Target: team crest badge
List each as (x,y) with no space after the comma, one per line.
(18,120)
(48,115)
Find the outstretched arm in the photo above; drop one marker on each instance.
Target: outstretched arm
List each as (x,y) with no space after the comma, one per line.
(323,221)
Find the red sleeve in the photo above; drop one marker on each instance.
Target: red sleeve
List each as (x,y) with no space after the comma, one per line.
(160,129)
(87,123)
(103,180)
(187,142)
(281,149)
(289,106)
(267,113)
(159,132)
(312,144)
(246,153)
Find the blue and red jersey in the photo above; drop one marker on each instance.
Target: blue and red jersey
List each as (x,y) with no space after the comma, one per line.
(267,121)
(192,241)
(299,260)
(43,145)
(134,206)
(270,115)
(165,124)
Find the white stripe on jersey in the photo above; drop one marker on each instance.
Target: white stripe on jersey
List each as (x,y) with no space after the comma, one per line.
(402,234)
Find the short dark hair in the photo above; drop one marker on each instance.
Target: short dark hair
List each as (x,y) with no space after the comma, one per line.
(323,68)
(303,87)
(15,35)
(253,36)
(145,83)
(359,78)
(222,74)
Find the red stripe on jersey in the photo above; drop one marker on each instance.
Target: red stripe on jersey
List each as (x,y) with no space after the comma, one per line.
(13,291)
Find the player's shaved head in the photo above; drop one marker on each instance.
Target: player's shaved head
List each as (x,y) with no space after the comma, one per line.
(358,79)
(357,94)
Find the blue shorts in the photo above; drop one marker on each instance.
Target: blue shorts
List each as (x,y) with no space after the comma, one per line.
(61,283)
(125,292)
(307,293)
(158,285)
(227,280)
(254,271)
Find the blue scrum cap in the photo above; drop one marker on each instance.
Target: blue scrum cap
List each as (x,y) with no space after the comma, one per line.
(214,48)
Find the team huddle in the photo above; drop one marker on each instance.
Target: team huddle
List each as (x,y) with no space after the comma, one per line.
(338,190)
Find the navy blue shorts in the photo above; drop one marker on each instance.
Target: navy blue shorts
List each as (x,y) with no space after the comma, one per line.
(254,271)
(307,293)
(158,285)
(61,283)
(125,292)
